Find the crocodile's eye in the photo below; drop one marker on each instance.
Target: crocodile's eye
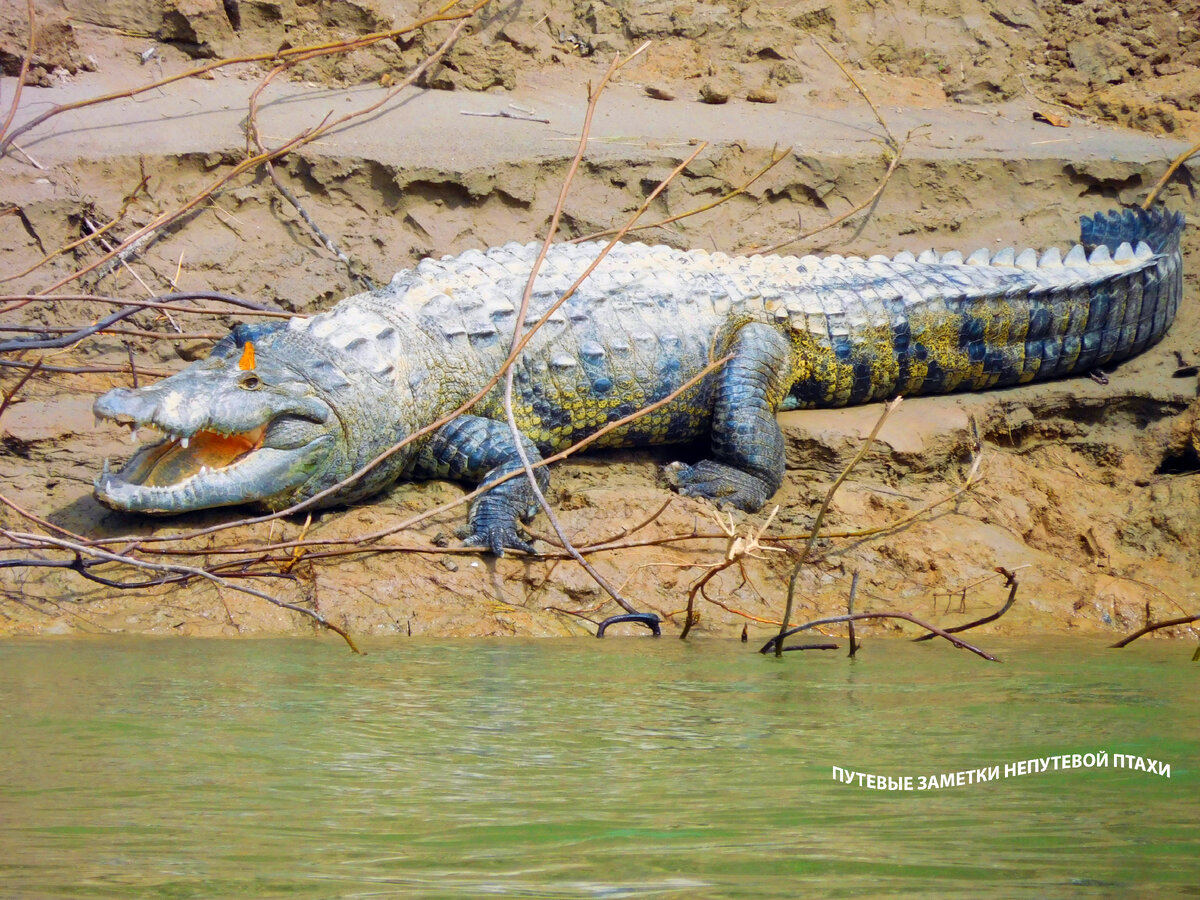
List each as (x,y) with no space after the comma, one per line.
(250,382)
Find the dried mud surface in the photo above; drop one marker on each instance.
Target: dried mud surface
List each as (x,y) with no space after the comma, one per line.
(1089,491)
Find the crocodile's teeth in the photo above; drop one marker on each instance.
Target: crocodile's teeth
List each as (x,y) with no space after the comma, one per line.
(1004,257)
(1100,256)
(1076,257)
(927,257)
(133,434)
(879,257)
(979,258)
(1143,250)
(904,256)
(1027,259)
(953,258)
(1051,259)
(183,442)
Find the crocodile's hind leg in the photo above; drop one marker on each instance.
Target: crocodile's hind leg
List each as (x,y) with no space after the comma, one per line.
(476,449)
(747,444)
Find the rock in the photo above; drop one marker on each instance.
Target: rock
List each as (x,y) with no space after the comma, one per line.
(787,72)
(57,48)
(762,95)
(527,38)
(608,42)
(602,19)
(659,92)
(712,92)
(1100,60)
(472,66)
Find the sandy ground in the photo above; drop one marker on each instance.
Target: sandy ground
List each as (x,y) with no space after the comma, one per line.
(1089,491)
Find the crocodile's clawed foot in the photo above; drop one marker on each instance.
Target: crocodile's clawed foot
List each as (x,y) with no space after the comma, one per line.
(722,484)
(496,538)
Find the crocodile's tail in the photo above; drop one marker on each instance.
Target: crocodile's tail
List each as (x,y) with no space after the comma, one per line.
(998,319)
(1160,228)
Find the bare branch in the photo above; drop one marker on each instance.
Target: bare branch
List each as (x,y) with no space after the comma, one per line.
(777,641)
(802,557)
(1154,626)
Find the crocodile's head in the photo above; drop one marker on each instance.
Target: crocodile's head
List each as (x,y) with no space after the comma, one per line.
(234,429)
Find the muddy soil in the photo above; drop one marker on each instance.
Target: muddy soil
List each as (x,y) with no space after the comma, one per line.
(1089,489)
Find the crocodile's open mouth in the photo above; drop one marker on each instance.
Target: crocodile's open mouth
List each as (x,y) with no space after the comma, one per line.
(211,466)
(175,459)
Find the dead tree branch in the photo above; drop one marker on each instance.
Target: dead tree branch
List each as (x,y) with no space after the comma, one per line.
(1011,583)
(1154,626)
(776,642)
(1169,174)
(16,100)
(802,557)
(444,14)
(45,541)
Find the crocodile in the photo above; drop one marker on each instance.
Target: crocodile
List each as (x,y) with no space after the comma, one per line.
(280,413)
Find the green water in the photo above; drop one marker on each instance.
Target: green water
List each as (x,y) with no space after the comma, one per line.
(622,768)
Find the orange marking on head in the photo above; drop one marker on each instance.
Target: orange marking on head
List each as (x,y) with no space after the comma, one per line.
(246,363)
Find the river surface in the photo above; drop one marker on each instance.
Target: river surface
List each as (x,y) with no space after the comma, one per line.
(593,769)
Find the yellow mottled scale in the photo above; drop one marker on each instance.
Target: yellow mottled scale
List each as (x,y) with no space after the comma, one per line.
(938,330)
(885,367)
(814,362)
(997,328)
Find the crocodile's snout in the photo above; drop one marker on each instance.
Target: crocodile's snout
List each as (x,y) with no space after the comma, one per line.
(126,407)
(226,439)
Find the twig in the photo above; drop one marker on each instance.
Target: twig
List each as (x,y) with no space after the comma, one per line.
(78,335)
(1171,170)
(853,211)
(305,137)
(737,549)
(16,100)
(132,366)
(778,639)
(34,540)
(129,200)
(83,370)
(1154,626)
(776,158)
(823,646)
(893,145)
(850,611)
(124,332)
(324,239)
(33,162)
(515,346)
(971,481)
(8,397)
(366,40)
(802,557)
(1075,110)
(504,114)
(626,531)
(249,307)
(1011,582)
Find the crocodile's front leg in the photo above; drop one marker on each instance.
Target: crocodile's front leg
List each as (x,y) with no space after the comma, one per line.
(475,449)
(747,443)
